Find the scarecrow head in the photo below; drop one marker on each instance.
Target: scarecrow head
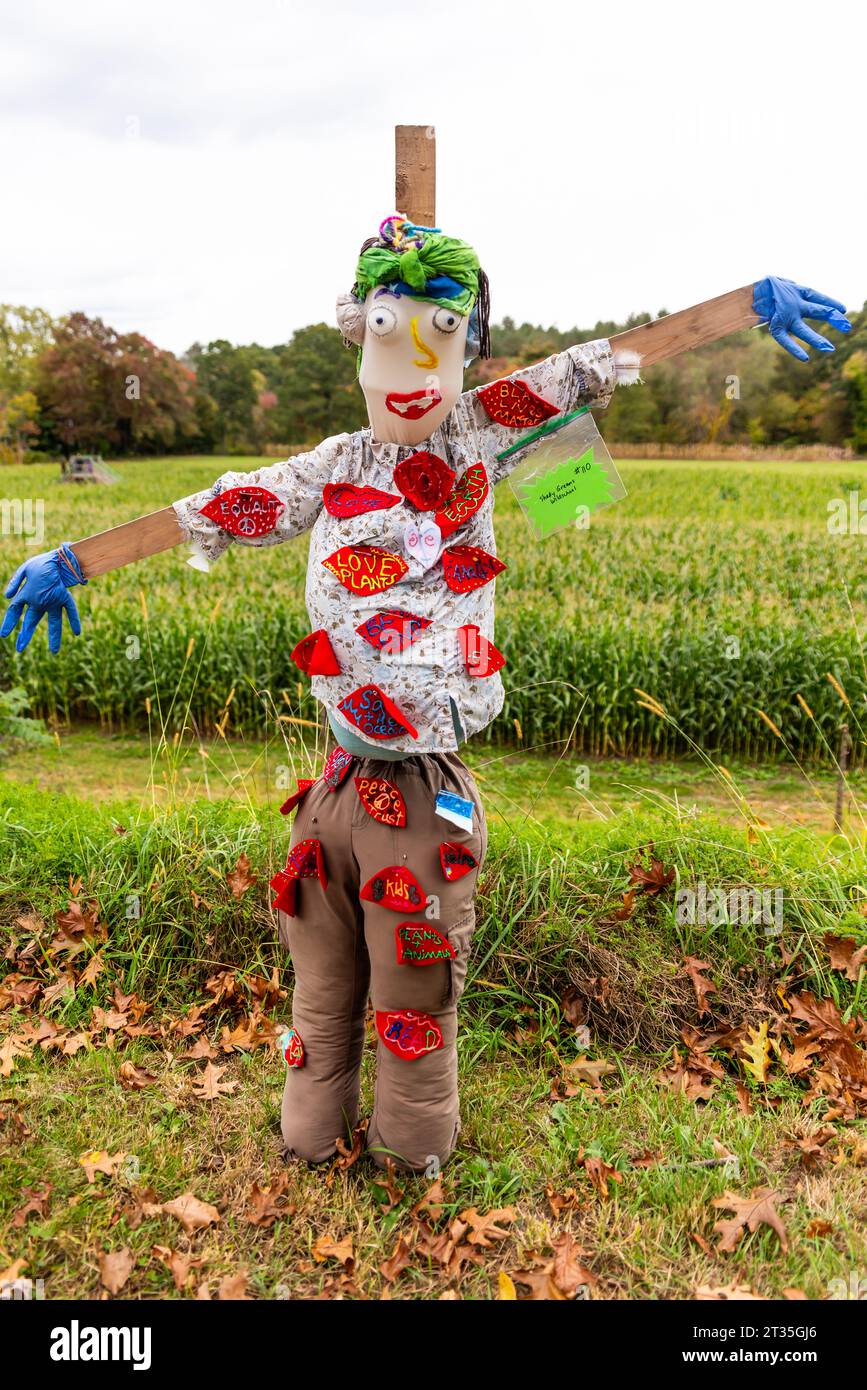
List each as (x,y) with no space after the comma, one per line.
(418,311)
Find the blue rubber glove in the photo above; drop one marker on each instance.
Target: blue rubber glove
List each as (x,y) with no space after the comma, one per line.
(784,305)
(41,585)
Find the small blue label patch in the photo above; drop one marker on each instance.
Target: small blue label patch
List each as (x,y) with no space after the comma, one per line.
(455,809)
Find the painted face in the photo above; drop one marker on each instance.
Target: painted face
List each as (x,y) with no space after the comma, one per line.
(412,365)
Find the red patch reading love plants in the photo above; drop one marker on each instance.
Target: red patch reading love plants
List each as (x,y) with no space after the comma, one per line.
(366,569)
(244,511)
(512,403)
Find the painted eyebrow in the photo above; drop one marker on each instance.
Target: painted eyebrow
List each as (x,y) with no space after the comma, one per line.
(380,292)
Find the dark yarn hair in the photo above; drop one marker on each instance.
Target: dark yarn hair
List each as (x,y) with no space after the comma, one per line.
(483,302)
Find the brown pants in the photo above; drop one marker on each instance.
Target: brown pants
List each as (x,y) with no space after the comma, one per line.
(344,948)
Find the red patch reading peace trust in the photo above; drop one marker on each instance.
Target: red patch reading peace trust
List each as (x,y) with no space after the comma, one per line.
(337,764)
(480,656)
(456,860)
(425,480)
(392,629)
(345,500)
(304,785)
(314,654)
(292,1048)
(464,501)
(408,1034)
(381,800)
(418,943)
(374,714)
(396,888)
(244,511)
(512,403)
(304,861)
(466,567)
(366,569)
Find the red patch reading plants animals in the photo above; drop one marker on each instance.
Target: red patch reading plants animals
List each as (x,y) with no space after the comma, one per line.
(244,511)
(480,656)
(304,785)
(345,500)
(395,888)
(292,1048)
(374,714)
(425,480)
(421,944)
(513,403)
(464,501)
(304,861)
(408,1034)
(366,569)
(456,860)
(337,764)
(381,800)
(315,655)
(466,567)
(392,629)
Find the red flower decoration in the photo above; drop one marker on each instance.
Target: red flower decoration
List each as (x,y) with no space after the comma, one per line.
(425,480)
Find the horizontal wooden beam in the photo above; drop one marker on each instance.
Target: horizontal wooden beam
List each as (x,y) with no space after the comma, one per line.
(133,540)
(690,328)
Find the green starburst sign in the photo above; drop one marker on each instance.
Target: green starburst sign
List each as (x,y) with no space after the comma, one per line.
(557,498)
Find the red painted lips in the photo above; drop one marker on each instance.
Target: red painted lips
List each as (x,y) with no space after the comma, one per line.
(412,405)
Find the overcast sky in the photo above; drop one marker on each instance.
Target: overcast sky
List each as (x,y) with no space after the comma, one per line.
(198,169)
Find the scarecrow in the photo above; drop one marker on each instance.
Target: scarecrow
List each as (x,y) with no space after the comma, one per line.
(376,900)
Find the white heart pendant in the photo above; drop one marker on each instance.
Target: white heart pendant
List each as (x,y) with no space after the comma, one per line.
(422,543)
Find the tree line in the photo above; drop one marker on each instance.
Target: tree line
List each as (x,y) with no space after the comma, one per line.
(74,384)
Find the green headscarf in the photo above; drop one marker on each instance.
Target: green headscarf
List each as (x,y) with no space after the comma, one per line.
(423,259)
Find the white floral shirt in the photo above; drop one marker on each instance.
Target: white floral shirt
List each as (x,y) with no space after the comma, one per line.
(429,676)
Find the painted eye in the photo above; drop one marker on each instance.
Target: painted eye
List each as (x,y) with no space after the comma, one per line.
(446,320)
(381,321)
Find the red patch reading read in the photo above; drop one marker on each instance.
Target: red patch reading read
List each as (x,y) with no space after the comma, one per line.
(408,1034)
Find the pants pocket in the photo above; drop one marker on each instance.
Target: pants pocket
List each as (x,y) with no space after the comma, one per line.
(460,937)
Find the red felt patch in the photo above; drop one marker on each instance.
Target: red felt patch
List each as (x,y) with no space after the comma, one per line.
(480,656)
(456,860)
(314,655)
(466,567)
(392,629)
(366,569)
(244,511)
(464,501)
(292,1048)
(381,800)
(425,480)
(418,943)
(374,714)
(408,1034)
(304,861)
(395,888)
(304,785)
(344,500)
(337,764)
(512,403)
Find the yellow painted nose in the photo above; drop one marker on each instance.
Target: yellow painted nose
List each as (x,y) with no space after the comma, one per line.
(428,360)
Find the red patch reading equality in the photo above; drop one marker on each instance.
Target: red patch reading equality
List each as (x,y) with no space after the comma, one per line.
(393,629)
(480,656)
(466,567)
(292,1048)
(304,861)
(425,480)
(345,500)
(381,800)
(337,764)
(374,714)
(314,655)
(304,785)
(464,501)
(244,511)
(512,403)
(456,860)
(408,1034)
(395,888)
(366,569)
(418,943)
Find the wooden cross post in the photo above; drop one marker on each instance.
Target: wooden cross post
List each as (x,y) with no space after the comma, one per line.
(415,196)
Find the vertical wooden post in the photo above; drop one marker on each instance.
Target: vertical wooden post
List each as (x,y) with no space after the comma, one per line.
(842,767)
(415,173)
